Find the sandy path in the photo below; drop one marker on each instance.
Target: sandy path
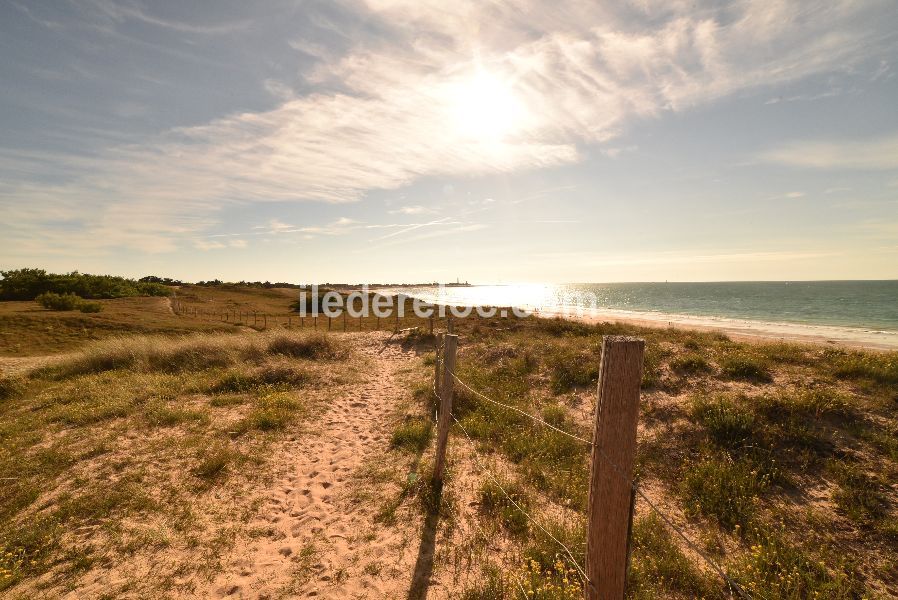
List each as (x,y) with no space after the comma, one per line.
(314,541)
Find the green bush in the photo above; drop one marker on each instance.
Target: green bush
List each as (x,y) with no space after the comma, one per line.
(28,284)
(54,301)
(724,489)
(690,364)
(746,368)
(90,307)
(729,424)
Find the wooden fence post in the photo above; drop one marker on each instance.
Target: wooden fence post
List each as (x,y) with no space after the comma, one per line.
(611,472)
(437,371)
(449,326)
(450,344)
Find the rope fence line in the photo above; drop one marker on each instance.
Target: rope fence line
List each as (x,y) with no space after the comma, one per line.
(734,588)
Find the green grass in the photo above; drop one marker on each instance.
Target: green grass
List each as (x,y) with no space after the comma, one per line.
(724,489)
(690,364)
(860,495)
(658,565)
(122,435)
(775,569)
(495,504)
(727,422)
(413,435)
(746,368)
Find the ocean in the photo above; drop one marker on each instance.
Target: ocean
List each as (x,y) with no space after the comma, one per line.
(866,305)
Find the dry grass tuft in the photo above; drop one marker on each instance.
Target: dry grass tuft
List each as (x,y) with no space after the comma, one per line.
(192,353)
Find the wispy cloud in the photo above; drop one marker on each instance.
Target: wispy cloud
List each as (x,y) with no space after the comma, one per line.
(416,209)
(873,154)
(579,76)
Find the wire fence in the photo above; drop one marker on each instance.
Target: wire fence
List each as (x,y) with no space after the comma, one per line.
(734,588)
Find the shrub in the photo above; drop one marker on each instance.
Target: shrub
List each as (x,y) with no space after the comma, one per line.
(495,503)
(746,369)
(880,367)
(54,301)
(658,564)
(729,424)
(860,495)
(690,364)
(311,346)
(724,489)
(214,459)
(90,307)
(9,386)
(778,570)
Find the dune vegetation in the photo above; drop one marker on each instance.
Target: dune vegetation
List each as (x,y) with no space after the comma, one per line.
(780,461)
(140,444)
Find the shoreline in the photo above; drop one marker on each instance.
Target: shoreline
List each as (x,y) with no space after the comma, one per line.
(743,330)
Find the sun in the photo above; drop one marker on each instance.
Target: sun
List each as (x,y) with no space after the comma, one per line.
(485,107)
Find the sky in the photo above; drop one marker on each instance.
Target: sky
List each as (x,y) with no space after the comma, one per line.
(418,140)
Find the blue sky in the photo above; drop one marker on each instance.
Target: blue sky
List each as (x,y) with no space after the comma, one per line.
(408,140)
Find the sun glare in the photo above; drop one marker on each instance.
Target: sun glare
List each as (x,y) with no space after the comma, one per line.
(486,108)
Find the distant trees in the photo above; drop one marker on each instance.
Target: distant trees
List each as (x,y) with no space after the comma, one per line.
(249,284)
(162,280)
(28,284)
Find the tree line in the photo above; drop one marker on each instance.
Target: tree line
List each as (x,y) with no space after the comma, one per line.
(28,284)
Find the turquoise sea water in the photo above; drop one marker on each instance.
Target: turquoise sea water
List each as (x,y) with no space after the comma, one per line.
(863,304)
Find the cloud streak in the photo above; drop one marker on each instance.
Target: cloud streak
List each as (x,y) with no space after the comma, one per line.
(579,74)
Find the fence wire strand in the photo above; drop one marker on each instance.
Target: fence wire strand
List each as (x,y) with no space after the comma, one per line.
(518,506)
(732,585)
(519,411)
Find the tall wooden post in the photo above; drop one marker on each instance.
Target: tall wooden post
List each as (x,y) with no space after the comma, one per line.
(611,472)
(437,365)
(450,344)
(449,326)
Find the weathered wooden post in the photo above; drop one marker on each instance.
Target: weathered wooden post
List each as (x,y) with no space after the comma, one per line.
(431,324)
(450,344)
(449,326)
(437,363)
(611,472)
